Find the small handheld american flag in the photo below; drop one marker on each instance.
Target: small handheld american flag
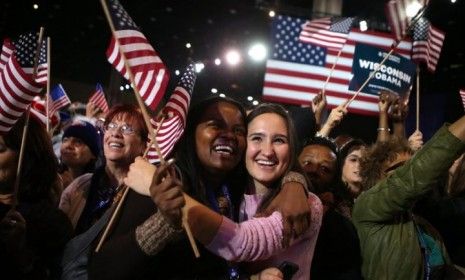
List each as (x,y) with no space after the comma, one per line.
(150,74)
(58,99)
(175,112)
(331,33)
(98,98)
(17,86)
(427,43)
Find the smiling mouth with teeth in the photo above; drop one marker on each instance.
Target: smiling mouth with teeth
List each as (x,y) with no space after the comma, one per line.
(224,149)
(116,145)
(266,162)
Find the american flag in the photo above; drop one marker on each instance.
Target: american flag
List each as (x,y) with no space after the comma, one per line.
(150,74)
(38,111)
(296,71)
(26,46)
(175,109)
(427,43)
(7,50)
(462,96)
(331,33)
(98,98)
(396,13)
(57,99)
(17,87)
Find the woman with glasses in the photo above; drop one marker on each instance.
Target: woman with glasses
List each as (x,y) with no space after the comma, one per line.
(90,195)
(209,160)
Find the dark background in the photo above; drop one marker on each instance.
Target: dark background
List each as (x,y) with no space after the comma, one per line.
(80,35)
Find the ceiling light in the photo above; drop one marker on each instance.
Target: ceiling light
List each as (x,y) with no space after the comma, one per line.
(217,61)
(35,6)
(257,52)
(188,45)
(214,90)
(271,13)
(363,25)
(199,67)
(222,95)
(233,57)
(255,102)
(177,72)
(250,98)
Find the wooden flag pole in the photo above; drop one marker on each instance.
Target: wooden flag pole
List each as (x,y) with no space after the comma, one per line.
(370,76)
(47,94)
(140,102)
(330,73)
(26,125)
(418,100)
(118,206)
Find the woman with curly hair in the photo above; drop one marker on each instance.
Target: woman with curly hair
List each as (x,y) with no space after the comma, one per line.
(395,243)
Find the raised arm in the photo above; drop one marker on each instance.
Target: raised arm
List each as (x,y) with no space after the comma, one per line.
(334,118)
(398,114)
(398,192)
(383,126)
(318,107)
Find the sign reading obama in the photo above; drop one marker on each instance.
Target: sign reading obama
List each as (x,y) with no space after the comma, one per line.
(395,75)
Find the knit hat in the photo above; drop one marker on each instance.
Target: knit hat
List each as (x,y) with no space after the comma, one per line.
(87,133)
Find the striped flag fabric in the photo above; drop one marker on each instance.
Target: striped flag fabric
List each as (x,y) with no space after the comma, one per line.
(327,32)
(98,98)
(17,86)
(175,112)
(150,74)
(427,43)
(396,13)
(38,111)
(27,43)
(57,99)
(7,50)
(462,96)
(296,71)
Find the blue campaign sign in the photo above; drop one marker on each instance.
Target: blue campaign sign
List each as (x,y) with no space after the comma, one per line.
(395,75)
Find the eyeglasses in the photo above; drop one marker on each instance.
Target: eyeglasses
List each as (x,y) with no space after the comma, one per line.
(124,128)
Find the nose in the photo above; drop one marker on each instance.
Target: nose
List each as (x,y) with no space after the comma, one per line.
(267,149)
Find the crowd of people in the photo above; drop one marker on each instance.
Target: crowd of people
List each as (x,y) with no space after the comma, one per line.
(261,200)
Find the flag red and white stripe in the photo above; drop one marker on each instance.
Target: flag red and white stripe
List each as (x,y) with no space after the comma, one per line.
(396,13)
(298,82)
(175,112)
(38,111)
(58,99)
(98,98)
(331,33)
(427,43)
(150,74)
(462,96)
(17,88)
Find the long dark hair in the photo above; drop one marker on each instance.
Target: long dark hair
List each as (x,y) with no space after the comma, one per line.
(39,171)
(293,147)
(189,163)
